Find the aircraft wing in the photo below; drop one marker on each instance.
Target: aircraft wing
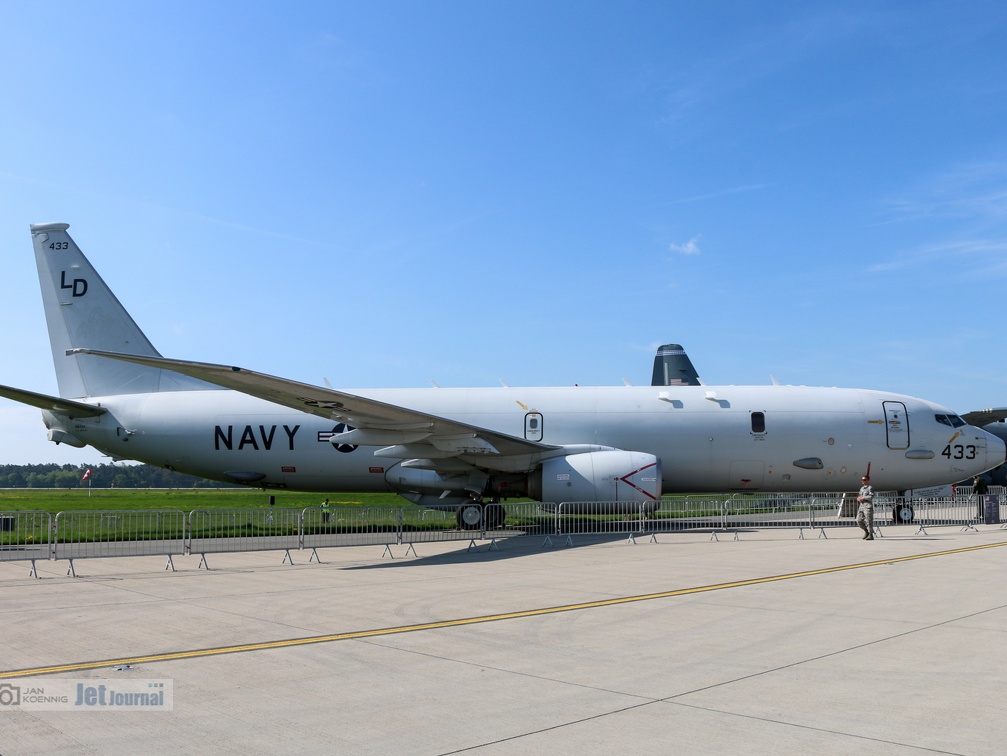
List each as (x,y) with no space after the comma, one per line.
(374,423)
(52,403)
(979,418)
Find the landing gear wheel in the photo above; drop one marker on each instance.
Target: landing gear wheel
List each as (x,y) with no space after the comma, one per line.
(902,514)
(469,516)
(495,515)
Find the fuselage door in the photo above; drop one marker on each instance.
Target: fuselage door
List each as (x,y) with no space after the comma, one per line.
(897,425)
(533,426)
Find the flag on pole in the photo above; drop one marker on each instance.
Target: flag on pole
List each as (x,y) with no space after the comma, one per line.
(86,475)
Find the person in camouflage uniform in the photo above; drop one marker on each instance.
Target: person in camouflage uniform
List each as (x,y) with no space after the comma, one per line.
(865,512)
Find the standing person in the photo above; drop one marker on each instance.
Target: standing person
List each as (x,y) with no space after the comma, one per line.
(979,488)
(865,512)
(325,511)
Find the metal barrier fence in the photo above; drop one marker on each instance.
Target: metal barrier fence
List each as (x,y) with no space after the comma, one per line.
(599,517)
(78,535)
(25,537)
(411,525)
(739,511)
(226,530)
(524,519)
(701,512)
(29,536)
(736,512)
(344,526)
(433,525)
(962,509)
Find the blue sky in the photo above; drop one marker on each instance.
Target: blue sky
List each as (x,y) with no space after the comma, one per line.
(389,193)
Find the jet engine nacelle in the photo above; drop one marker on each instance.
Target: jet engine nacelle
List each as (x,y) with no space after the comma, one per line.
(598,476)
(58,436)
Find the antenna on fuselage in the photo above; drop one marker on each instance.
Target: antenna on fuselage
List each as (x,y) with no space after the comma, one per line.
(672,367)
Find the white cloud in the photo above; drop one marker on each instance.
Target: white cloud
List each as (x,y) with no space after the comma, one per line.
(691,247)
(961,261)
(975,192)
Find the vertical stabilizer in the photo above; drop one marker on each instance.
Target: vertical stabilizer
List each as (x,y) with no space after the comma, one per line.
(81,311)
(672,367)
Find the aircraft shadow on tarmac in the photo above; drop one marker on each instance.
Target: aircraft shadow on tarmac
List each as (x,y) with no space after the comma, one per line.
(493,549)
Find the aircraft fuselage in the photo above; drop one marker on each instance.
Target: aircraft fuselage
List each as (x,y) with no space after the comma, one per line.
(724,438)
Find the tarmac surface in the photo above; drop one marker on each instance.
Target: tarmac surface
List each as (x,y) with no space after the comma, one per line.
(766,644)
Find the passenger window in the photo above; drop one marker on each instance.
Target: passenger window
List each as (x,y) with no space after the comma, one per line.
(758,422)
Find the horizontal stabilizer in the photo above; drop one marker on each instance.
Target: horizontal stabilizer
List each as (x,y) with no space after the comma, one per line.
(52,403)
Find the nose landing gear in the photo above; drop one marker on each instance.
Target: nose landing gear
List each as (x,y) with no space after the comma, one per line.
(902,513)
(473,516)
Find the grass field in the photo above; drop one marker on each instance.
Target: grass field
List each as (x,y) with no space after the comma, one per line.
(130,515)
(54,500)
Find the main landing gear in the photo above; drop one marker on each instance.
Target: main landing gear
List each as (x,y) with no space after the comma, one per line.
(473,516)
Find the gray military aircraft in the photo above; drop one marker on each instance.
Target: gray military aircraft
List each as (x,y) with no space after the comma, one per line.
(467,449)
(993,421)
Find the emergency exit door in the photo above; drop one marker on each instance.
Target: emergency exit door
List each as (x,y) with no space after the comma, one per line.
(533,426)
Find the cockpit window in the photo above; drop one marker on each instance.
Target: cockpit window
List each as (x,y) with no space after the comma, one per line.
(952,420)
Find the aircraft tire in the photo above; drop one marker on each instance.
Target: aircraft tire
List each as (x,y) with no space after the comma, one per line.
(469,516)
(902,514)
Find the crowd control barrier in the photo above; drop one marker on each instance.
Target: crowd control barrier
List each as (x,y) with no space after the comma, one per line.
(258,529)
(78,535)
(349,526)
(25,537)
(29,536)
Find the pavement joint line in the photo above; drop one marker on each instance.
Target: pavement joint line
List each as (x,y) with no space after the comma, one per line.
(373,633)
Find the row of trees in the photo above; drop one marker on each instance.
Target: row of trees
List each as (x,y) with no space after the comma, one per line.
(102,476)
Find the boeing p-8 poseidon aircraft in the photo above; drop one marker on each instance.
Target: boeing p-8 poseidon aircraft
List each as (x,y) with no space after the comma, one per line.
(466,449)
